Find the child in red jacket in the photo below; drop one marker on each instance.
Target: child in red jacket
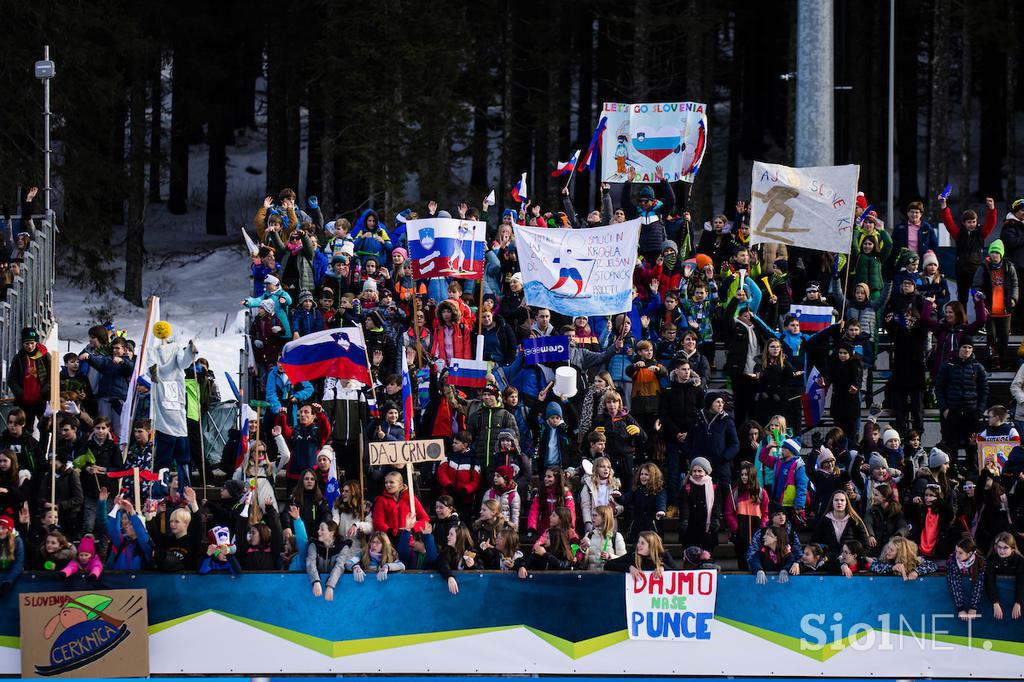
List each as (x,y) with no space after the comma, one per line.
(459,476)
(391,508)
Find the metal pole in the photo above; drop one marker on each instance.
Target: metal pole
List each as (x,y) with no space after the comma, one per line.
(46,137)
(891,193)
(815,79)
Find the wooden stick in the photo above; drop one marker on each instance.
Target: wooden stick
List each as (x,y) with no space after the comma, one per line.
(55,409)
(202,444)
(373,392)
(416,325)
(136,487)
(412,495)
(141,359)
(480,311)
(362,491)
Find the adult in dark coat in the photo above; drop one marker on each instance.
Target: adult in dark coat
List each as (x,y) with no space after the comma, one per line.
(961,390)
(713,435)
(909,338)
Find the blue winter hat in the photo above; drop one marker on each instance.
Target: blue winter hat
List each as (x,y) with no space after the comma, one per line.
(553,410)
(646,192)
(509,212)
(792,445)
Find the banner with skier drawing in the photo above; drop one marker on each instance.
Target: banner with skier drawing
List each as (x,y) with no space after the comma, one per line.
(446,247)
(809,207)
(579,272)
(649,142)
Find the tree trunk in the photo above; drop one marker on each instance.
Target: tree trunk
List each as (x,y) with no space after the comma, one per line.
(993,124)
(314,157)
(736,109)
(701,54)
(156,104)
(136,187)
(177,196)
(641,40)
(216,170)
(1011,101)
(907,103)
(507,56)
(938,105)
(585,107)
(966,85)
(277,116)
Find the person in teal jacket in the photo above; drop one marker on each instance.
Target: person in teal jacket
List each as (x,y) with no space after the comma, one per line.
(283,396)
(130,546)
(282,301)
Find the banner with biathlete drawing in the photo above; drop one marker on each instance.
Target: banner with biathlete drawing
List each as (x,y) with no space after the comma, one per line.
(653,141)
(446,247)
(579,272)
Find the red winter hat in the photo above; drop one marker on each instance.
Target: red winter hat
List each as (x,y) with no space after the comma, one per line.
(7,522)
(506,472)
(862,201)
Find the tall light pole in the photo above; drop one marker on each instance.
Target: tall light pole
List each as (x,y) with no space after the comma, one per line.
(815,94)
(45,70)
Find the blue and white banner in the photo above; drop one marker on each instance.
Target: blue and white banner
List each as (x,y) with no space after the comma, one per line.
(446,247)
(579,272)
(546,349)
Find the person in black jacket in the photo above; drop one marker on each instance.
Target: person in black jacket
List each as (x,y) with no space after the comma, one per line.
(713,435)
(259,545)
(776,377)
(1005,559)
(961,390)
(649,555)
(681,402)
(499,339)
(845,374)
(909,337)
(840,525)
(554,555)
(742,349)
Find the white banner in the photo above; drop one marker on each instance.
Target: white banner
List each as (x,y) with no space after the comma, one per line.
(680,605)
(579,272)
(648,142)
(809,207)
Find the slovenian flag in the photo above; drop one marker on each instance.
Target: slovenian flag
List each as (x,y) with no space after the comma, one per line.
(567,166)
(243,433)
(407,408)
(339,353)
(245,415)
(519,192)
(371,405)
(813,399)
(812,318)
(467,373)
(589,160)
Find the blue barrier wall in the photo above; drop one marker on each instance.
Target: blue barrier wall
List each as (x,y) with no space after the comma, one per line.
(578,613)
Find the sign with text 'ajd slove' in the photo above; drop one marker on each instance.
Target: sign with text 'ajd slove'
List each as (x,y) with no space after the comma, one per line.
(84,634)
(677,605)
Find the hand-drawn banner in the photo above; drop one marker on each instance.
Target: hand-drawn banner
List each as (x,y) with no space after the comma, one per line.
(84,634)
(648,142)
(579,272)
(809,207)
(676,606)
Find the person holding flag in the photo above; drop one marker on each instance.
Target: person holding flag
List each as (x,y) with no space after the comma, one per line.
(595,218)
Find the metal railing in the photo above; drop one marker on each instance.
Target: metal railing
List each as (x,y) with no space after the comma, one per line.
(28,302)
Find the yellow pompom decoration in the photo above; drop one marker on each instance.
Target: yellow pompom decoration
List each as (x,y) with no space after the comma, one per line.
(162,330)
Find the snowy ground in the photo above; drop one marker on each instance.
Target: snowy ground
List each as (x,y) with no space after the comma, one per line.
(199,278)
